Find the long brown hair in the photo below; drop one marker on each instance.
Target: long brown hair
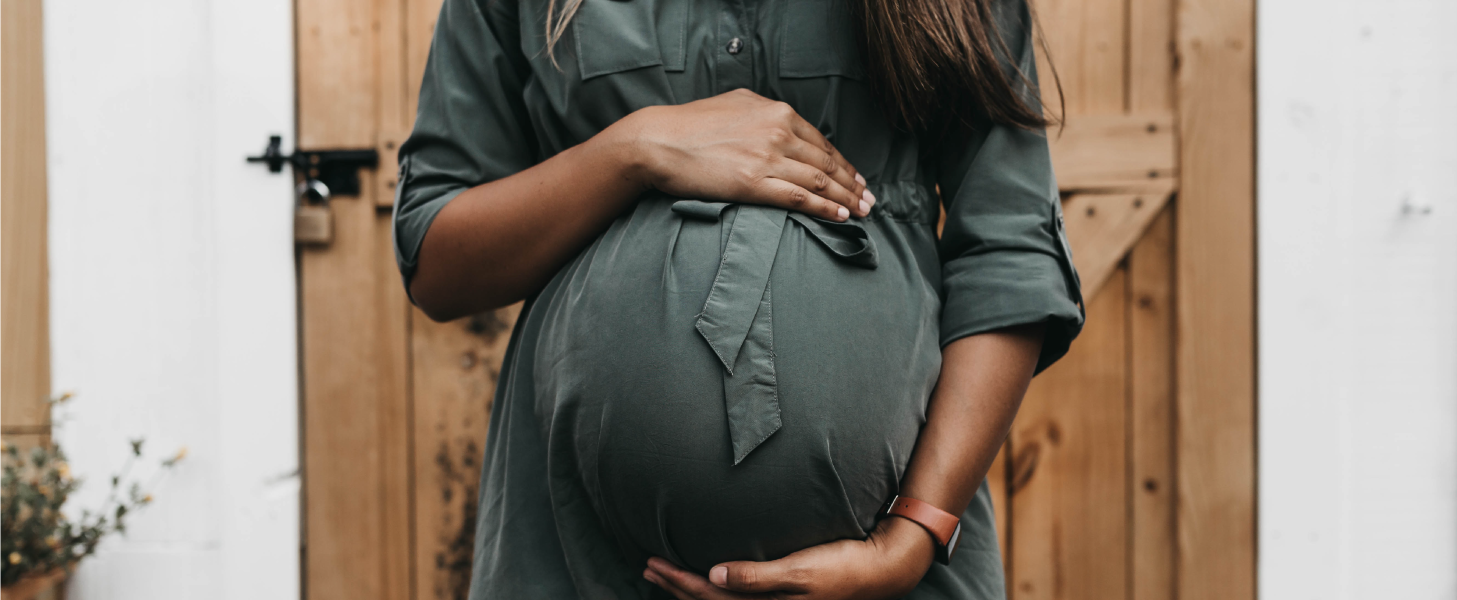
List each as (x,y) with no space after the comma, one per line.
(939,62)
(935,63)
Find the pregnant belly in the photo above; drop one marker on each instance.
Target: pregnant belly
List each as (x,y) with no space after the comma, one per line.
(632,391)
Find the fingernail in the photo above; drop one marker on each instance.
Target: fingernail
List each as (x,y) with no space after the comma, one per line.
(868,197)
(860,178)
(865,207)
(719,576)
(844,213)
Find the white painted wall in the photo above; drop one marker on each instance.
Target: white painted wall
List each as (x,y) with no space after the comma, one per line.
(1357,299)
(173,297)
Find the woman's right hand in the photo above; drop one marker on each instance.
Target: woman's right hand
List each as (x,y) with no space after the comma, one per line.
(502,240)
(742,147)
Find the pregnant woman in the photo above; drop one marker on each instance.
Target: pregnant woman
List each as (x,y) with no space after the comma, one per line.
(743,336)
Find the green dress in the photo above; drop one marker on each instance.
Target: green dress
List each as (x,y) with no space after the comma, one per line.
(714,381)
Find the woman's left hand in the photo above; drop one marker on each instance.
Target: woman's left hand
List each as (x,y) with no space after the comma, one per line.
(888,564)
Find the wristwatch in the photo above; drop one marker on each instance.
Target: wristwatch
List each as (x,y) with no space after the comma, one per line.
(944,526)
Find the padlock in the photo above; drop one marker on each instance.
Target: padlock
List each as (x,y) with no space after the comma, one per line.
(313,222)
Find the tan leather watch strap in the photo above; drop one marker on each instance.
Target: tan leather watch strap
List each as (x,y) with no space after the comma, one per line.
(944,526)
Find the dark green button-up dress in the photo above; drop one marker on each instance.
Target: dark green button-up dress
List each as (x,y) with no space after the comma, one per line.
(713,381)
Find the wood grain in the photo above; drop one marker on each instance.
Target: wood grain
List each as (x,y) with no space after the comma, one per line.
(25,348)
(1215,300)
(1150,56)
(1150,413)
(395,107)
(1069,512)
(455,370)
(337,73)
(354,332)
(1115,152)
(1103,228)
(419,29)
(1088,47)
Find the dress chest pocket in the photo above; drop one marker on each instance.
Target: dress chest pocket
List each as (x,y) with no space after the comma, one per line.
(819,41)
(613,36)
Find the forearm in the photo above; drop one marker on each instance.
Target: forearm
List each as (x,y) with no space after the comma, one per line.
(983,379)
(496,243)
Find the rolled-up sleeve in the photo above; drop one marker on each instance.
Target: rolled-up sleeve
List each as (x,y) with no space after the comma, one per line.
(472,126)
(1005,256)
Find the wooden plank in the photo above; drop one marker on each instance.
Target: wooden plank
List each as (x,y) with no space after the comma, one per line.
(406,29)
(25,347)
(1150,56)
(1115,151)
(396,434)
(455,369)
(356,427)
(1215,300)
(354,331)
(337,74)
(1151,415)
(419,29)
(25,441)
(1086,39)
(395,93)
(1102,228)
(1069,496)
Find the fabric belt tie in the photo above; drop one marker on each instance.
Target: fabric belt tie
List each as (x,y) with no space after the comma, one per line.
(737,319)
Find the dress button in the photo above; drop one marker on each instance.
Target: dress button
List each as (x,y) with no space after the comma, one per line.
(735,45)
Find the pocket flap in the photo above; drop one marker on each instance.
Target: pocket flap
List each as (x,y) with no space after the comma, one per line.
(819,41)
(621,35)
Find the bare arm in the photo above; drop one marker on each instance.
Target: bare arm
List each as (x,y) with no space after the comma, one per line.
(500,241)
(983,379)
(496,242)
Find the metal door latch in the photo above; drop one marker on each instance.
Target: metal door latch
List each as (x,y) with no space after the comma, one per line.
(336,170)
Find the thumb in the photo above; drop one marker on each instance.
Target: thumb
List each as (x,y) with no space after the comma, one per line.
(758,577)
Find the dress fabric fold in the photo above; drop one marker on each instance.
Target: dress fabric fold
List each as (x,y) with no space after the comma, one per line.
(737,319)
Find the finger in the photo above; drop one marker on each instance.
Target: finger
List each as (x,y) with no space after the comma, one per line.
(809,133)
(654,578)
(783,575)
(851,182)
(687,585)
(820,183)
(789,196)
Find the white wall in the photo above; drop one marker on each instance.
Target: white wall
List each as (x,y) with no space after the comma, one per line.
(172,273)
(1357,299)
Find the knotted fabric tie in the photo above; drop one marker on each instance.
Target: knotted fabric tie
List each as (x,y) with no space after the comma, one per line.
(738,317)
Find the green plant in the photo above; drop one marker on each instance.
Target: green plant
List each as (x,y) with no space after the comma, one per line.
(35,536)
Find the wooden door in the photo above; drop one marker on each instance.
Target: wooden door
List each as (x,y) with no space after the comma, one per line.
(25,383)
(1130,469)
(1129,473)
